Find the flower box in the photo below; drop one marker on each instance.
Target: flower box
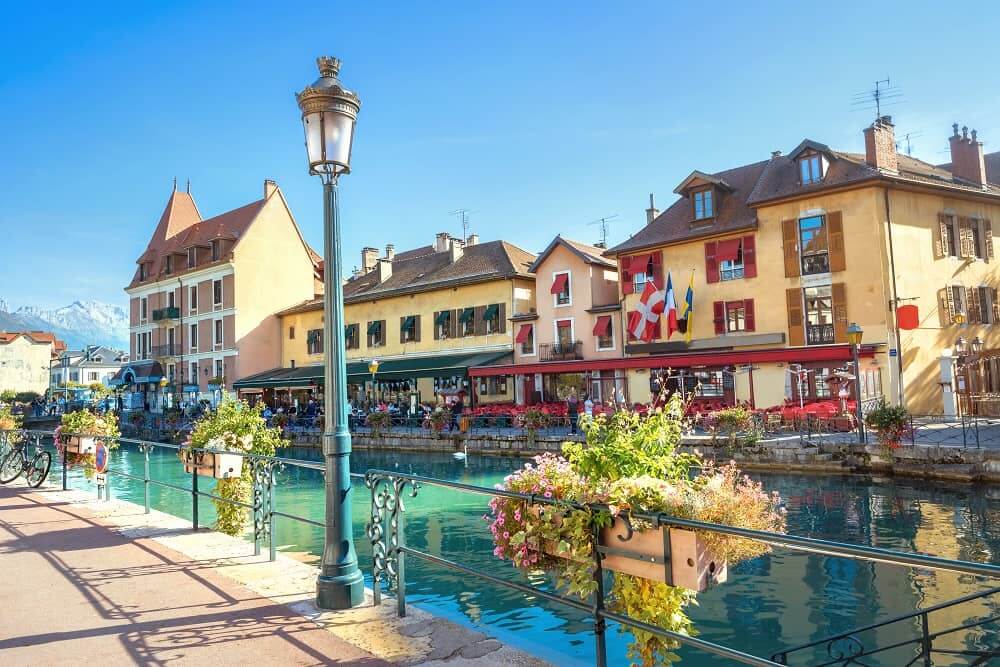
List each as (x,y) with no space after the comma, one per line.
(213,464)
(76,444)
(689,563)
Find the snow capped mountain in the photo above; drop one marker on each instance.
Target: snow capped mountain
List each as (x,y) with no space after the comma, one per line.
(80,323)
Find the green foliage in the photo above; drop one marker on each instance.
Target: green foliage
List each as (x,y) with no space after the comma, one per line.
(379,422)
(655,603)
(26,396)
(891,424)
(86,423)
(7,396)
(533,420)
(438,420)
(8,420)
(235,427)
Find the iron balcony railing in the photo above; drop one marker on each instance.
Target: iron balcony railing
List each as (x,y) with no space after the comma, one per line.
(169,313)
(166,350)
(561,351)
(819,334)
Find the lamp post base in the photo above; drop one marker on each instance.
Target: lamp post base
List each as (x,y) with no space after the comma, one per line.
(343,592)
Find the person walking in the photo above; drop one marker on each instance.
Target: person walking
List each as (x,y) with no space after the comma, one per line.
(456,413)
(573,412)
(588,406)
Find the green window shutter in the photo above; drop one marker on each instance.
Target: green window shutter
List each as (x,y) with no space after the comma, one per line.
(373,327)
(491,311)
(467,314)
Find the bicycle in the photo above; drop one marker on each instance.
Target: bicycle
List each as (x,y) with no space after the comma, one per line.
(16,461)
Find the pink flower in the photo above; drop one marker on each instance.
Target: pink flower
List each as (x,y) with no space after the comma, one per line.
(506,535)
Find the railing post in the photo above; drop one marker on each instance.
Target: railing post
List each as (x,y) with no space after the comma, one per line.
(258,506)
(194,496)
(926,644)
(65,480)
(399,527)
(913,432)
(965,440)
(272,546)
(145,477)
(975,421)
(600,625)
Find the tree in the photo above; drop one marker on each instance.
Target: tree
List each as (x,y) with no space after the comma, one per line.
(7,396)
(27,396)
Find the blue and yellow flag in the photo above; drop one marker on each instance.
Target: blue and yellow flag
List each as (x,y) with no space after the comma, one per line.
(688,309)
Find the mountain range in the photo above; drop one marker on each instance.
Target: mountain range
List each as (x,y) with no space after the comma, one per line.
(80,323)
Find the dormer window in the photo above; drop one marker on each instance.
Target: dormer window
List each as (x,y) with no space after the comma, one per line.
(215,250)
(191,258)
(169,265)
(811,168)
(704,206)
(142,271)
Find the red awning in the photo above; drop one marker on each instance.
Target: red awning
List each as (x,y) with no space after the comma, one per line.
(728,251)
(603,326)
(523,333)
(559,284)
(564,324)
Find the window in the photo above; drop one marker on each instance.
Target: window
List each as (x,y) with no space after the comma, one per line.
(442,324)
(193,300)
(92,376)
(314,341)
(948,230)
(215,250)
(408,329)
(813,244)
(735,317)
(495,385)
(169,264)
(192,256)
(376,333)
(217,293)
(560,289)
(976,238)
(467,322)
(170,299)
(822,386)
(491,319)
(291,333)
(218,334)
(193,343)
(605,333)
(142,271)
(193,377)
(143,309)
(732,269)
(352,336)
(703,205)
(819,315)
(74,376)
(219,369)
(811,169)
(526,339)
(640,276)
(564,334)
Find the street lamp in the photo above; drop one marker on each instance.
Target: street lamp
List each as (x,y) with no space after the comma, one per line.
(854,335)
(961,346)
(977,345)
(329,112)
(373,369)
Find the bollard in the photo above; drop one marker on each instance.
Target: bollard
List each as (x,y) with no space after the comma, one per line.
(65,481)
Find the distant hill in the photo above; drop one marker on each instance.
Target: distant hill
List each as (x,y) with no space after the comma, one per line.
(80,323)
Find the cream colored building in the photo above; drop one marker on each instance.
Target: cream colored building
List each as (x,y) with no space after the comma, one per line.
(25,358)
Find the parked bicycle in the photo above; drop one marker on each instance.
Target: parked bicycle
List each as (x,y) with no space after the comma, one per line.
(16,461)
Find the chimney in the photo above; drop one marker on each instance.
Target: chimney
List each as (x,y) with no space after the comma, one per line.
(384,270)
(967,161)
(455,251)
(269,187)
(390,251)
(880,145)
(775,155)
(369,258)
(472,240)
(441,242)
(652,211)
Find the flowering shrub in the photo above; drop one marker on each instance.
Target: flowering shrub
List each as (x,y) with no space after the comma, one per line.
(8,420)
(731,422)
(379,422)
(437,420)
(891,424)
(86,424)
(533,420)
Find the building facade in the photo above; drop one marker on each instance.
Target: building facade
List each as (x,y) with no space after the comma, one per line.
(204,297)
(94,363)
(25,358)
(427,315)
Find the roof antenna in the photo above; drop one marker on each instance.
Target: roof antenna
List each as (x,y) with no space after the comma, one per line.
(189,186)
(463,214)
(603,222)
(175,184)
(883,95)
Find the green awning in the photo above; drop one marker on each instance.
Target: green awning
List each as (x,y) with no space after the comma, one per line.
(407,322)
(492,311)
(303,376)
(373,327)
(467,315)
(442,317)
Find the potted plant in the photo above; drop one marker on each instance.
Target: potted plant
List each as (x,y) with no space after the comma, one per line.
(437,421)
(379,422)
(891,424)
(216,382)
(730,423)
(77,435)
(233,430)
(532,421)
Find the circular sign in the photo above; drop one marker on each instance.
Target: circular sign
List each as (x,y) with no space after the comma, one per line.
(100,458)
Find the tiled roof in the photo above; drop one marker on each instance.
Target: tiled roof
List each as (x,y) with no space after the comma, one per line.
(588,253)
(992,167)
(34,336)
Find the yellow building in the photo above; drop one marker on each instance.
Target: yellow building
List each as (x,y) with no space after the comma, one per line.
(25,360)
(785,253)
(427,315)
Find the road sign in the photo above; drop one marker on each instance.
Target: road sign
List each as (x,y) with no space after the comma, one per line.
(101,458)
(101,479)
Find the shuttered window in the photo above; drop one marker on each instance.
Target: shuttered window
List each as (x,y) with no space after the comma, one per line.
(796,328)
(733,316)
(731,259)
(954,304)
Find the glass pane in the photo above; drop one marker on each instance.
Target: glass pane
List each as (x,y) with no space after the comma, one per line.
(314,142)
(337,128)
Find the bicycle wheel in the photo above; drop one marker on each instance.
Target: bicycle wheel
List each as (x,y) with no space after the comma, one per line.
(11,466)
(38,469)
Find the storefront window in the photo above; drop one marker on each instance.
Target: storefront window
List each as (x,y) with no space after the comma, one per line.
(559,387)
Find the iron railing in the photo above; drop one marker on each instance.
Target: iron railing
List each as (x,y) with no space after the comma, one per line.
(561,351)
(166,350)
(819,334)
(168,313)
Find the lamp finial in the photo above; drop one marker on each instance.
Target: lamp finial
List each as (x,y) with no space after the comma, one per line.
(328,66)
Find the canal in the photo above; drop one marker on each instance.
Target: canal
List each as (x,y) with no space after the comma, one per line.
(775,601)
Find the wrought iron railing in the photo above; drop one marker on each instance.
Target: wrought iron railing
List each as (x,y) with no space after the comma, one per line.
(561,351)
(819,334)
(166,350)
(169,313)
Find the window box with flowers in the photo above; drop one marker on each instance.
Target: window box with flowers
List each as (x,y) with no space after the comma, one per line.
(77,435)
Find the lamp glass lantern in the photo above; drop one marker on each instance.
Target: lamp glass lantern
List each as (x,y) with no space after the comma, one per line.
(854,334)
(329,113)
(977,345)
(961,346)
(373,366)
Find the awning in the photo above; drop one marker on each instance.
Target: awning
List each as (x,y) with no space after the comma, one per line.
(407,322)
(523,333)
(728,251)
(139,372)
(303,376)
(603,326)
(559,284)
(442,317)
(373,327)
(492,311)
(467,314)
(564,324)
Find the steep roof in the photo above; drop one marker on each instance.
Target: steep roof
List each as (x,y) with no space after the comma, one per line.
(180,213)
(588,253)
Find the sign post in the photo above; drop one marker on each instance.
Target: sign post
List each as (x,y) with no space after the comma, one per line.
(101,467)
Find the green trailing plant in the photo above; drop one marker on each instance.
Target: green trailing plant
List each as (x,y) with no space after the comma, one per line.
(7,396)
(234,427)
(533,420)
(379,422)
(736,425)
(891,424)
(86,424)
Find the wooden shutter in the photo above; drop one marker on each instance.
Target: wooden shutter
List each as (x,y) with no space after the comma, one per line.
(946,298)
(381,332)
(749,257)
(835,231)
(435,332)
(711,263)
(942,246)
(748,315)
(995,304)
(656,259)
(796,329)
(479,324)
(986,233)
(502,327)
(975,309)
(416,328)
(790,247)
(628,324)
(967,244)
(626,270)
(402,338)
(839,292)
(719,316)
(453,324)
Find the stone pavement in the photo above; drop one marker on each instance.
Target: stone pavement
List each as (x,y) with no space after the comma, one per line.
(85,580)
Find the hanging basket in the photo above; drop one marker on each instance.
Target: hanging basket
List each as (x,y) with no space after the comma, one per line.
(77,444)
(212,464)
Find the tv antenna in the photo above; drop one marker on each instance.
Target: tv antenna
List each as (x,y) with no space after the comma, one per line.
(906,138)
(884,94)
(463,216)
(603,222)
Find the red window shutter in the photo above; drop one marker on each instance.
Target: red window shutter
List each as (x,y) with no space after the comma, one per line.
(603,326)
(559,284)
(629,322)
(711,264)
(749,257)
(750,324)
(626,271)
(523,333)
(657,260)
(719,312)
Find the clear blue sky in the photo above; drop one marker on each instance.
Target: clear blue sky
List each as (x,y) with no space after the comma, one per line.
(540,117)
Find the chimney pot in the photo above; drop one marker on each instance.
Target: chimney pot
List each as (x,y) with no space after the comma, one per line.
(441,242)
(384,270)
(965,131)
(455,251)
(269,187)
(974,136)
(390,251)
(775,154)
(652,211)
(967,161)
(473,240)
(954,129)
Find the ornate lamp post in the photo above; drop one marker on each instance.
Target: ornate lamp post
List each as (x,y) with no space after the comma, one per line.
(373,369)
(854,335)
(329,112)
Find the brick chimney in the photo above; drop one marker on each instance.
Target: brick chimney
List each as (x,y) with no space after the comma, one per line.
(390,251)
(967,161)
(269,187)
(652,211)
(384,270)
(369,258)
(880,145)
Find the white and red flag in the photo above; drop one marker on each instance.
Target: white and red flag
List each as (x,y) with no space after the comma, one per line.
(671,307)
(642,323)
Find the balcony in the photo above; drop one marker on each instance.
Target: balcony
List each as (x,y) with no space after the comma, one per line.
(819,334)
(561,351)
(163,314)
(168,350)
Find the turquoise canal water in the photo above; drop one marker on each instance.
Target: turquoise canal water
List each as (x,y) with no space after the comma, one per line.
(775,601)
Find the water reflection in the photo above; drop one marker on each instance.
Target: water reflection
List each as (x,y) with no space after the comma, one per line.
(772,602)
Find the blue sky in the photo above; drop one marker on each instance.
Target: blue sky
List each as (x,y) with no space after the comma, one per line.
(539,117)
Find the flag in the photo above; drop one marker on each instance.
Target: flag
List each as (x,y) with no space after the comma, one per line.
(642,322)
(688,307)
(670,307)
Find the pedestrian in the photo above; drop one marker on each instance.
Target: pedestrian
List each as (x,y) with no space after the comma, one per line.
(456,413)
(588,406)
(573,411)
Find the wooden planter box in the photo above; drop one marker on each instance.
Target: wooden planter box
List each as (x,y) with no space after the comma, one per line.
(213,464)
(81,445)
